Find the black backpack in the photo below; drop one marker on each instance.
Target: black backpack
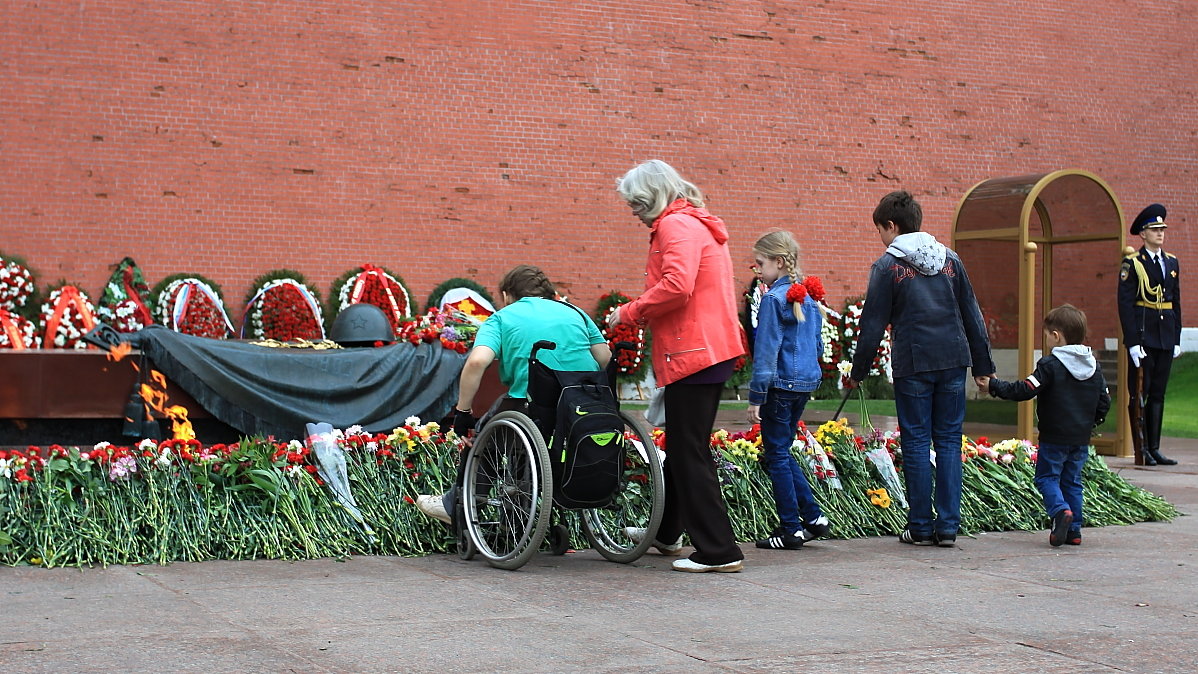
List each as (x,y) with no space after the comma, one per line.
(587,445)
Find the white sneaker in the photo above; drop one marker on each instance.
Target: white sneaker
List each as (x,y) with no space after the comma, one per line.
(637,534)
(695,567)
(434,507)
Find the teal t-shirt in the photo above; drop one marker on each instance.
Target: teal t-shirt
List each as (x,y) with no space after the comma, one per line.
(511,332)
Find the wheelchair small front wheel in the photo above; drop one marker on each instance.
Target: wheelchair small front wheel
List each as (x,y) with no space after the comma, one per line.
(507,490)
(638,504)
(559,539)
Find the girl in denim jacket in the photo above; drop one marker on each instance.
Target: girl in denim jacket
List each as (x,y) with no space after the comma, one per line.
(787,347)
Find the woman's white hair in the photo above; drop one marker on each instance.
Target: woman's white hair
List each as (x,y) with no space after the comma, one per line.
(652,186)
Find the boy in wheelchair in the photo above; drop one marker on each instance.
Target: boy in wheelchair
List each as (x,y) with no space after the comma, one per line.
(530,314)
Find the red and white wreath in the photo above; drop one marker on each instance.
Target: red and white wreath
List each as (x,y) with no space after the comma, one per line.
(192,307)
(373,285)
(286,310)
(67,315)
(17,332)
(16,284)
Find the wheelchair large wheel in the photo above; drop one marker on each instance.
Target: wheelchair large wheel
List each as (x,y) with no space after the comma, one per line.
(507,490)
(639,502)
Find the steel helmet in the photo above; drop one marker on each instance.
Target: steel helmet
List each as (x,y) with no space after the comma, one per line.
(361,325)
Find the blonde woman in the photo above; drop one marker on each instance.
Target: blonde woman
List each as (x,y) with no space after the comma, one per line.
(690,304)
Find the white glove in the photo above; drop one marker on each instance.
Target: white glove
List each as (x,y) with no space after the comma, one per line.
(1137,354)
(1176,350)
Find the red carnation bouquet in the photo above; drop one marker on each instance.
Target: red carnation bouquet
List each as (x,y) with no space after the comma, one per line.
(630,364)
(193,306)
(282,307)
(377,286)
(811,285)
(445,327)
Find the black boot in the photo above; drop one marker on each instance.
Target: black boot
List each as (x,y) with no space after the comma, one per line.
(1154,413)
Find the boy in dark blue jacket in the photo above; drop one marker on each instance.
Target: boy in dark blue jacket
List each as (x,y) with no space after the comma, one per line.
(919,287)
(1071,399)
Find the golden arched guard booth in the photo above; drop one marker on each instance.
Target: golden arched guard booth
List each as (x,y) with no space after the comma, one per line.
(1031,243)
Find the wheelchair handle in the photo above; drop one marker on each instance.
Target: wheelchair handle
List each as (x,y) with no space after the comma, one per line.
(543,344)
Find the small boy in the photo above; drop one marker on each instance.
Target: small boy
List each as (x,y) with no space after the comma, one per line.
(1071,400)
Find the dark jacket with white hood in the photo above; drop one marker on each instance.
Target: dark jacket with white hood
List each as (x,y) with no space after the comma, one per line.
(1071,394)
(919,287)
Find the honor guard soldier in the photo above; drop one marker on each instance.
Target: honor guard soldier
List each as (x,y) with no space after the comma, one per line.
(1150,314)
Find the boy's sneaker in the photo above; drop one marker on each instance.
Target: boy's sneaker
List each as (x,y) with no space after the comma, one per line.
(695,567)
(1061,523)
(781,540)
(817,528)
(1074,537)
(911,538)
(946,540)
(434,507)
(637,534)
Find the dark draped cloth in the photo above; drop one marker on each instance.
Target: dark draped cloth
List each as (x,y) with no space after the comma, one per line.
(261,390)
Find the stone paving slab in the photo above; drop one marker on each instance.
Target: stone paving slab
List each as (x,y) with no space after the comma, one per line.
(1126,600)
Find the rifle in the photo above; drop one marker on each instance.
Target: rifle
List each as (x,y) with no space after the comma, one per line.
(1135,408)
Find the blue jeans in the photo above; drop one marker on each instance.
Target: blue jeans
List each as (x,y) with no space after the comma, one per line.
(792,495)
(931,409)
(1059,478)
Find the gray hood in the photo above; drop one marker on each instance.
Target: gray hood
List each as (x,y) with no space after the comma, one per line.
(921,250)
(1078,359)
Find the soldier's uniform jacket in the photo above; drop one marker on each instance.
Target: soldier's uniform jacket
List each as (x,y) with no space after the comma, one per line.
(1149,303)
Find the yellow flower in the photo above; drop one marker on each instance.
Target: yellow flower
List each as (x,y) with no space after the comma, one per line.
(400,437)
(878,497)
(832,431)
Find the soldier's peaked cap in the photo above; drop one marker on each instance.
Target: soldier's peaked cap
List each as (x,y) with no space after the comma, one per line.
(1153,216)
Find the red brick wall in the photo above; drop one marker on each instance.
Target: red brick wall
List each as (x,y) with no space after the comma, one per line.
(459,138)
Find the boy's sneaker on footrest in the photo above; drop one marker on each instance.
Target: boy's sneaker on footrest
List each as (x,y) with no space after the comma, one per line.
(817,528)
(637,534)
(781,540)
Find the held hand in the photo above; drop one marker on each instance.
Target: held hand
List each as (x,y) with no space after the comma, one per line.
(1137,354)
(613,319)
(754,414)
(983,383)
(1176,350)
(851,383)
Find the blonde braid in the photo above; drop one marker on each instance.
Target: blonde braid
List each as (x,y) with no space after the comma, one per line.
(792,268)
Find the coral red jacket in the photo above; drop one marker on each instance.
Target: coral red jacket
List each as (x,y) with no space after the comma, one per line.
(690,295)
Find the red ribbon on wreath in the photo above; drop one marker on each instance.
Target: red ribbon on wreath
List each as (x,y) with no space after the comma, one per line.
(140,310)
(68,295)
(15,340)
(369,270)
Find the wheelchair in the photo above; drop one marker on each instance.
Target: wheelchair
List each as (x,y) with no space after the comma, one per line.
(509,497)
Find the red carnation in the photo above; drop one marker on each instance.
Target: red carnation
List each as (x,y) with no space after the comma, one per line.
(797,293)
(815,288)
